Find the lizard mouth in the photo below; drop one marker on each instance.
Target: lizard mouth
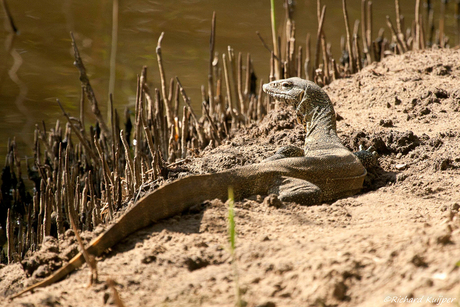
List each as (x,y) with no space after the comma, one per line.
(283,97)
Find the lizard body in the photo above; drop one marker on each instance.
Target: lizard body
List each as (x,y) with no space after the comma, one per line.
(324,170)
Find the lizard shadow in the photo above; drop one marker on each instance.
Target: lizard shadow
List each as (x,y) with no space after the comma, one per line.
(187,223)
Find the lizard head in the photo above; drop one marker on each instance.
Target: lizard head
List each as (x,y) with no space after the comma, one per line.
(302,94)
(311,104)
(289,90)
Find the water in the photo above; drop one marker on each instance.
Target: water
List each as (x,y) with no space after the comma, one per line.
(41,56)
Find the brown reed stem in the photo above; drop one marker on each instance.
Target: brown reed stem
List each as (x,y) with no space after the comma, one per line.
(398,18)
(299,62)
(308,73)
(233,81)
(239,86)
(402,47)
(356,51)
(10,235)
(229,93)
(164,90)
(247,85)
(88,89)
(78,134)
(364,26)
(90,259)
(184,132)
(198,126)
(417,25)
(212,42)
(347,28)
(441,24)
(318,37)
(129,164)
(276,53)
(325,58)
(369,25)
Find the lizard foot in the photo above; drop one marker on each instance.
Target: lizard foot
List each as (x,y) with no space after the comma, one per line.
(367,157)
(298,191)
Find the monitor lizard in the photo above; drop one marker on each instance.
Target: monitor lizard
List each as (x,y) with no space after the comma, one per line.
(323,170)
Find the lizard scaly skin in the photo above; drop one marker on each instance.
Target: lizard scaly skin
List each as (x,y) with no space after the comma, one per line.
(324,170)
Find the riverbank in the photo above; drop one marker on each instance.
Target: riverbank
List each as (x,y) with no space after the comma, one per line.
(397,240)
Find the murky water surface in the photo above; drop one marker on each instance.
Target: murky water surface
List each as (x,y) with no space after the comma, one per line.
(37,68)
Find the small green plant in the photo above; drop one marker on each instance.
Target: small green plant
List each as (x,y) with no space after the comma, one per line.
(232,241)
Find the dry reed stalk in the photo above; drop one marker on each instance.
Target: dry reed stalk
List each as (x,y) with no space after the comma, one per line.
(58,202)
(325,59)
(308,73)
(229,93)
(212,42)
(164,90)
(129,173)
(318,37)
(214,133)
(347,28)
(416,45)
(82,108)
(272,67)
(88,89)
(240,84)
(247,84)
(137,118)
(113,50)
(260,108)
(198,127)
(369,26)
(184,132)
(107,175)
(82,139)
(431,27)
(299,60)
(149,138)
(356,50)
(10,235)
(233,80)
(90,259)
(422,35)
(47,206)
(276,53)
(335,72)
(441,24)
(364,25)
(401,46)
(398,18)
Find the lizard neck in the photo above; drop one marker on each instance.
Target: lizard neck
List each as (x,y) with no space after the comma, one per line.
(320,125)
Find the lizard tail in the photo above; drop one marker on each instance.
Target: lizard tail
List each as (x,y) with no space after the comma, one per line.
(75,263)
(167,201)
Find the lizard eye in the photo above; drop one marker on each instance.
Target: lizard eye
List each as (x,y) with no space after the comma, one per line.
(286,85)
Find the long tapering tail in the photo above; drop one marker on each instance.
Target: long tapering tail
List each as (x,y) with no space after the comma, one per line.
(167,201)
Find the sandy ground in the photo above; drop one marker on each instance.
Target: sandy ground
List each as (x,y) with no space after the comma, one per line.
(395,243)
